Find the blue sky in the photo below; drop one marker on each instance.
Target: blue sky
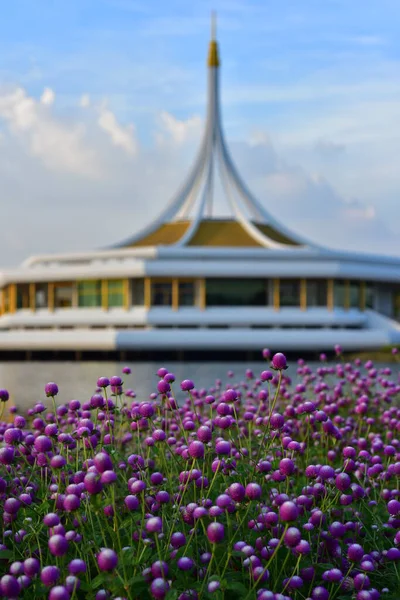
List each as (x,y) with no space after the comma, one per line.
(311,104)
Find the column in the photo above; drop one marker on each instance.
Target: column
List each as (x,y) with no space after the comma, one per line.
(202,293)
(32,296)
(276,294)
(303,294)
(127,290)
(330,294)
(51,296)
(147,293)
(363,295)
(104,294)
(175,294)
(347,294)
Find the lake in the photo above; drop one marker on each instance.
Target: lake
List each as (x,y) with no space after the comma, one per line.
(77,380)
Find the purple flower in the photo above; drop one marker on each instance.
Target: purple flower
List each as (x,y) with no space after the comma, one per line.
(76,566)
(288,511)
(107,559)
(355,552)
(185,563)
(159,588)
(237,492)
(51,389)
(253,491)
(103,382)
(196,449)
(126,370)
(58,545)
(215,532)
(59,592)
(187,385)
(154,525)
(4,395)
(279,362)
(50,575)
(9,586)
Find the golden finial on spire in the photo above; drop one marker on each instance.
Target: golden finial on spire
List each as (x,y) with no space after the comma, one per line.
(213,59)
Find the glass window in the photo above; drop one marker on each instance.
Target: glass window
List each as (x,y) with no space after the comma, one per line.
(369,295)
(236,292)
(317,292)
(137,292)
(187,293)
(63,295)
(355,294)
(161,293)
(339,293)
(23,295)
(89,293)
(41,295)
(115,289)
(289,292)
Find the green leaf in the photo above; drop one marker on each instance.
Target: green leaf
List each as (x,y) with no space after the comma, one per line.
(6,554)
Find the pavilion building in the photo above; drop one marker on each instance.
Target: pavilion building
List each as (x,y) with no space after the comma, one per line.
(194,281)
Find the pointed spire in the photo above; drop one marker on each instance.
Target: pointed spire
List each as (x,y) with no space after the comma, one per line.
(213,58)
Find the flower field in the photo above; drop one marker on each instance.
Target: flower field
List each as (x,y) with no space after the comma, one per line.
(258,488)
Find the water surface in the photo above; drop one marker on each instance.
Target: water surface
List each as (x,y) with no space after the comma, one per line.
(26,380)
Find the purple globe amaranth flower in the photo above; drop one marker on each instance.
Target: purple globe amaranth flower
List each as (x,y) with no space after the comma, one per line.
(9,586)
(31,566)
(215,532)
(266,353)
(51,389)
(342,482)
(253,491)
(163,386)
(50,575)
(185,563)
(204,434)
(279,362)
(196,449)
(107,559)
(4,395)
(223,447)
(7,455)
(71,502)
(131,502)
(43,444)
(393,554)
(187,385)
(393,507)
(355,552)
(12,506)
(103,462)
(58,545)
(320,593)
(154,525)
(288,511)
(103,382)
(93,483)
(76,566)
(237,492)
(159,588)
(59,592)
(126,370)
(178,539)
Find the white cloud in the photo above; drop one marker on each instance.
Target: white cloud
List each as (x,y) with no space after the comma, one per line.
(58,145)
(84,101)
(48,97)
(123,137)
(176,131)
